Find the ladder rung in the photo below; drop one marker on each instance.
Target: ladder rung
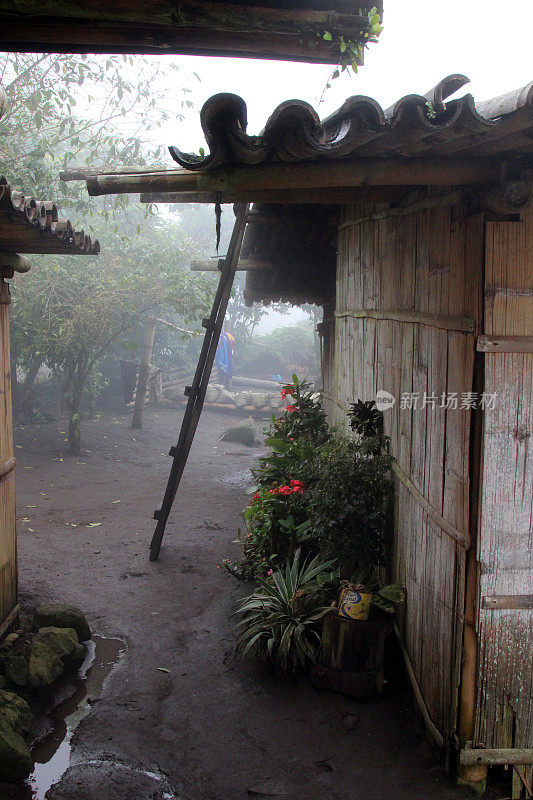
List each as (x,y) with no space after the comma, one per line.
(157,513)
(187,391)
(207,322)
(173,451)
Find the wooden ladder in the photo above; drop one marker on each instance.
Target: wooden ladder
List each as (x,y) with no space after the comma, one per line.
(196,392)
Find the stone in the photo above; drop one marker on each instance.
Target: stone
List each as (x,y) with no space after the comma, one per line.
(212,393)
(242,399)
(16,670)
(275,401)
(11,638)
(15,712)
(44,665)
(226,398)
(63,642)
(61,615)
(15,757)
(243,433)
(260,399)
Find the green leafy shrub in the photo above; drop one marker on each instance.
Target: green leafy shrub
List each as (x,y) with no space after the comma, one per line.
(284,461)
(365,419)
(348,487)
(281,617)
(303,418)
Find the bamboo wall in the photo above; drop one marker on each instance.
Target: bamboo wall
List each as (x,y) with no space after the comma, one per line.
(8,545)
(408,301)
(505,679)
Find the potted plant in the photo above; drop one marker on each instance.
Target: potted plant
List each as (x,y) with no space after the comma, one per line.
(365,589)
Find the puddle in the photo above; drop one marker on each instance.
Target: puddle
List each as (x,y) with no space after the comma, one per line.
(52,752)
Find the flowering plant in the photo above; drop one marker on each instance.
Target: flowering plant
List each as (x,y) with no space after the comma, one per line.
(303,416)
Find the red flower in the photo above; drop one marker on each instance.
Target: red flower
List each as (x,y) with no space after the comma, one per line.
(291,408)
(287,390)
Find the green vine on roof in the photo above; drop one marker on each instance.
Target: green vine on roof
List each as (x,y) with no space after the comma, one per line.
(351,50)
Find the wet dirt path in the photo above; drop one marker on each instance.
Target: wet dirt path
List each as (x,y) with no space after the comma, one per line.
(211,728)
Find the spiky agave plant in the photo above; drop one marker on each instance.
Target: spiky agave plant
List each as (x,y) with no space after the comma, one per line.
(280,618)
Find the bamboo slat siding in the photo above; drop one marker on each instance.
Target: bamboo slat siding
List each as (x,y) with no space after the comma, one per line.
(8,551)
(428,264)
(505,712)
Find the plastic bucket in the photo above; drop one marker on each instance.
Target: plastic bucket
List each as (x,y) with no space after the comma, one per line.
(354,604)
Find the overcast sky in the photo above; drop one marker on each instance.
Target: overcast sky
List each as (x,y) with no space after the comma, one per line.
(488,41)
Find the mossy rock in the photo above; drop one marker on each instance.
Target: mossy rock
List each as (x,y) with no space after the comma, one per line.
(15,712)
(243,433)
(61,615)
(63,642)
(16,670)
(44,665)
(15,757)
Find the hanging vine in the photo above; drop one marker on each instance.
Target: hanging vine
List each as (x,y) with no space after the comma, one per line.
(351,50)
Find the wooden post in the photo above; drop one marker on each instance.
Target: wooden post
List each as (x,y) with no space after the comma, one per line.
(8,536)
(142,380)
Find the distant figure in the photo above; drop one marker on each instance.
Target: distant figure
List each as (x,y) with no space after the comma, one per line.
(224,359)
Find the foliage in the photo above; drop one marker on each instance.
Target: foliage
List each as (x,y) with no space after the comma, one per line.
(385,597)
(341,511)
(303,418)
(280,618)
(69,111)
(348,489)
(72,110)
(284,460)
(351,50)
(365,419)
(276,526)
(68,312)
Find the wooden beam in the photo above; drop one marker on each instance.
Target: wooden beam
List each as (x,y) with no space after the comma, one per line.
(495,756)
(508,602)
(244,265)
(378,194)
(309,176)
(505,344)
(9,620)
(82,173)
(195,27)
(14,262)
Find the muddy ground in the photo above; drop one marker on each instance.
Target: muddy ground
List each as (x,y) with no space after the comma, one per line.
(213,727)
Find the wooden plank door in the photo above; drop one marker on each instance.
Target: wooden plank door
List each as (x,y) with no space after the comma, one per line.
(505,549)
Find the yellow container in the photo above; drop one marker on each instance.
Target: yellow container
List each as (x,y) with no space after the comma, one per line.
(354,604)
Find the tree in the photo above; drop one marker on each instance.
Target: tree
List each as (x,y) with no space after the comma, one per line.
(63,111)
(72,110)
(72,310)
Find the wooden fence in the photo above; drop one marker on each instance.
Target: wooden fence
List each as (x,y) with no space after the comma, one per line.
(407,308)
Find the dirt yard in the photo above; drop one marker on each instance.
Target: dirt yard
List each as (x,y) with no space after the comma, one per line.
(213,727)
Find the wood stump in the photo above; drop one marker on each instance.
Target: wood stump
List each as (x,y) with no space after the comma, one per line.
(351,658)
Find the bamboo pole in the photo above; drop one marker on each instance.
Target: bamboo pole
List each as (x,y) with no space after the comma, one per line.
(247,180)
(144,368)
